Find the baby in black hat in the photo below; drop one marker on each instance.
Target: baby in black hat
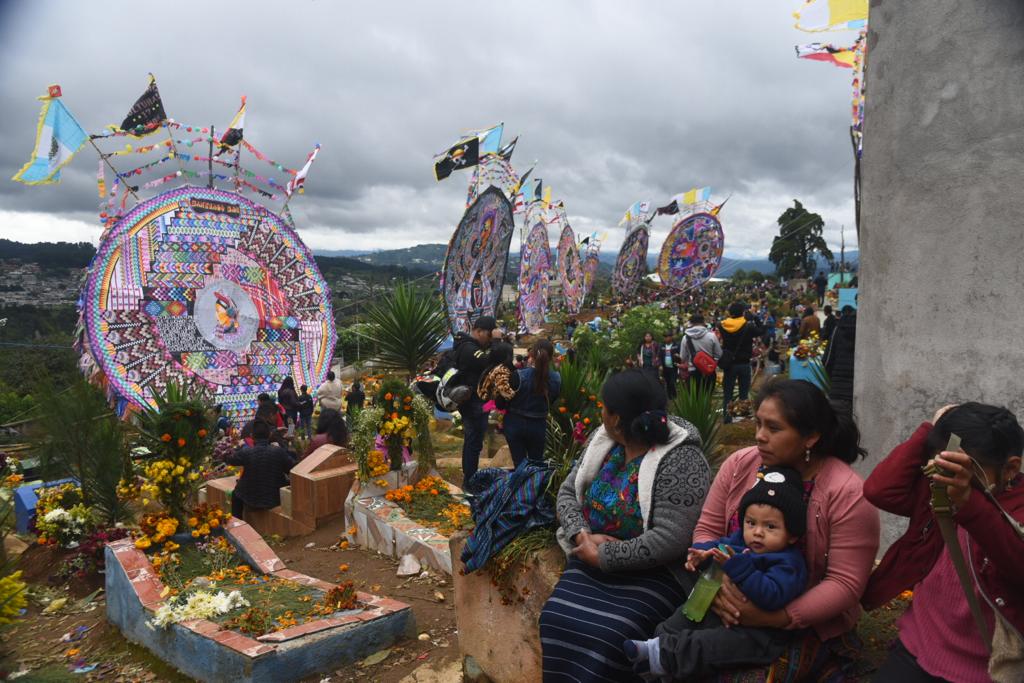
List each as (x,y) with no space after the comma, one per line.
(763,562)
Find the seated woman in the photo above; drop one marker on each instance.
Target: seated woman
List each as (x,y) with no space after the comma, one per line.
(626,513)
(330,429)
(797,427)
(938,638)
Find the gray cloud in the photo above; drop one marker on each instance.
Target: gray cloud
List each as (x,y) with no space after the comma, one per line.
(617,101)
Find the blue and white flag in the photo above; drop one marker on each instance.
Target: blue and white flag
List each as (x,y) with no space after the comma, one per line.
(58,137)
(490,140)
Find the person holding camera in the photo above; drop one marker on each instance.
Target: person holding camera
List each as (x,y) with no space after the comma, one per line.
(940,638)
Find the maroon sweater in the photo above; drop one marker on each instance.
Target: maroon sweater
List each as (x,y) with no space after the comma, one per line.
(897,485)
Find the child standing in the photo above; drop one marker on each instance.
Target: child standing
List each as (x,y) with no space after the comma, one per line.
(765,565)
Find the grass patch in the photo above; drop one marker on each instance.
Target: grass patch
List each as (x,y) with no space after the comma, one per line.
(274,603)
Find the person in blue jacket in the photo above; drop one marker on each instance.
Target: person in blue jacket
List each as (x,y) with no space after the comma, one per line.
(526,422)
(763,560)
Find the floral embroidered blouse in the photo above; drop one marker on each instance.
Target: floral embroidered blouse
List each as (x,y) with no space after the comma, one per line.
(612,504)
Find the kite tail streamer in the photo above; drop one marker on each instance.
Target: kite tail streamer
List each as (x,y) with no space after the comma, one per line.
(101,180)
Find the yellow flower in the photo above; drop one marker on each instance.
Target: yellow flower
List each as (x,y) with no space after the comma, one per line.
(142,543)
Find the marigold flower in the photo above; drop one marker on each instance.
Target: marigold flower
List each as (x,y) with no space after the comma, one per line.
(181,442)
(342,567)
(387,396)
(165,437)
(563,409)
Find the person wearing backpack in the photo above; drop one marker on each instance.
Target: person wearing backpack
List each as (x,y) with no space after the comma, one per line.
(470,359)
(697,348)
(738,332)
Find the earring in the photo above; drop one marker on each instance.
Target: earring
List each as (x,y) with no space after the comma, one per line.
(807,455)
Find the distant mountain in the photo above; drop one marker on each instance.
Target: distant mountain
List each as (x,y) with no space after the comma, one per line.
(431,257)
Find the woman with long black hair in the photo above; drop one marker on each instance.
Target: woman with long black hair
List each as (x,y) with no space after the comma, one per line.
(626,512)
(526,423)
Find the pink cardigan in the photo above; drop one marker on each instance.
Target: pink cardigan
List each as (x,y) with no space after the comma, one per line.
(841,543)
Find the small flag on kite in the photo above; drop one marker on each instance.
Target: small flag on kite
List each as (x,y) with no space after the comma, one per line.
(670,209)
(233,135)
(299,181)
(147,114)
(832,15)
(58,137)
(695,196)
(490,140)
(821,52)
(463,154)
(637,213)
(506,151)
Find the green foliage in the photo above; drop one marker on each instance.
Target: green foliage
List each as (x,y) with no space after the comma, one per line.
(179,429)
(698,406)
(78,436)
(604,352)
(800,236)
(408,328)
(572,418)
(13,405)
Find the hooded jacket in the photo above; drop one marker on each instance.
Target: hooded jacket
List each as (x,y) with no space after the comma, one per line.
(702,340)
(738,336)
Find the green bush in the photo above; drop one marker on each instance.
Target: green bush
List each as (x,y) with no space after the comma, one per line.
(77,435)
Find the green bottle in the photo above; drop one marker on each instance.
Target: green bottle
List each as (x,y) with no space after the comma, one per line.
(703,593)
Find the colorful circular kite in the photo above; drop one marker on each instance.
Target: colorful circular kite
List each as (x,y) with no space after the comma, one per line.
(570,271)
(692,252)
(590,264)
(534,271)
(474,267)
(631,264)
(202,286)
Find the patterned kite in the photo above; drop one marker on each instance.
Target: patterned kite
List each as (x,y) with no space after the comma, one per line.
(692,252)
(570,271)
(631,264)
(474,266)
(534,270)
(202,286)
(590,264)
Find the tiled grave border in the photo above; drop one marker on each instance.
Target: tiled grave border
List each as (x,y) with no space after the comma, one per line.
(289,654)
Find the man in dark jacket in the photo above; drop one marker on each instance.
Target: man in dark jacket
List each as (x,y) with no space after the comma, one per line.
(820,284)
(828,325)
(266,468)
(839,356)
(471,360)
(738,332)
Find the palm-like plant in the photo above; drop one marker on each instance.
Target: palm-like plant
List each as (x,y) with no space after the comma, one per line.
(697,405)
(408,328)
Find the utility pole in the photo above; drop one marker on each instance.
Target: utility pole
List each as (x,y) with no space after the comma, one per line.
(842,250)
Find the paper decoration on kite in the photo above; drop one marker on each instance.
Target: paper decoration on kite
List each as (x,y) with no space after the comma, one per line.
(637,214)
(146,115)
(199,285)
(825,52)
(692,252)
(851,57)
(631,264)
(570,271)
(534,270)
(832,15)
(493,170)
(474,266)
(58,138)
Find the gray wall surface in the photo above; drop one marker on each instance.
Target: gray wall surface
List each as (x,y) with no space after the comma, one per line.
(941,308)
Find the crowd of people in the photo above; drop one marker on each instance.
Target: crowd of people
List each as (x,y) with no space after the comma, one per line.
(786,527)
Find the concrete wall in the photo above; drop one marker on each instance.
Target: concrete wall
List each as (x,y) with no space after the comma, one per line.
(942,270)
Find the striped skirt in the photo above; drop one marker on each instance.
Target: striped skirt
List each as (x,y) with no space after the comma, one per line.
(591,613)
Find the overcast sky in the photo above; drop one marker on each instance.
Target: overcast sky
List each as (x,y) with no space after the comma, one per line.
(617,101)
